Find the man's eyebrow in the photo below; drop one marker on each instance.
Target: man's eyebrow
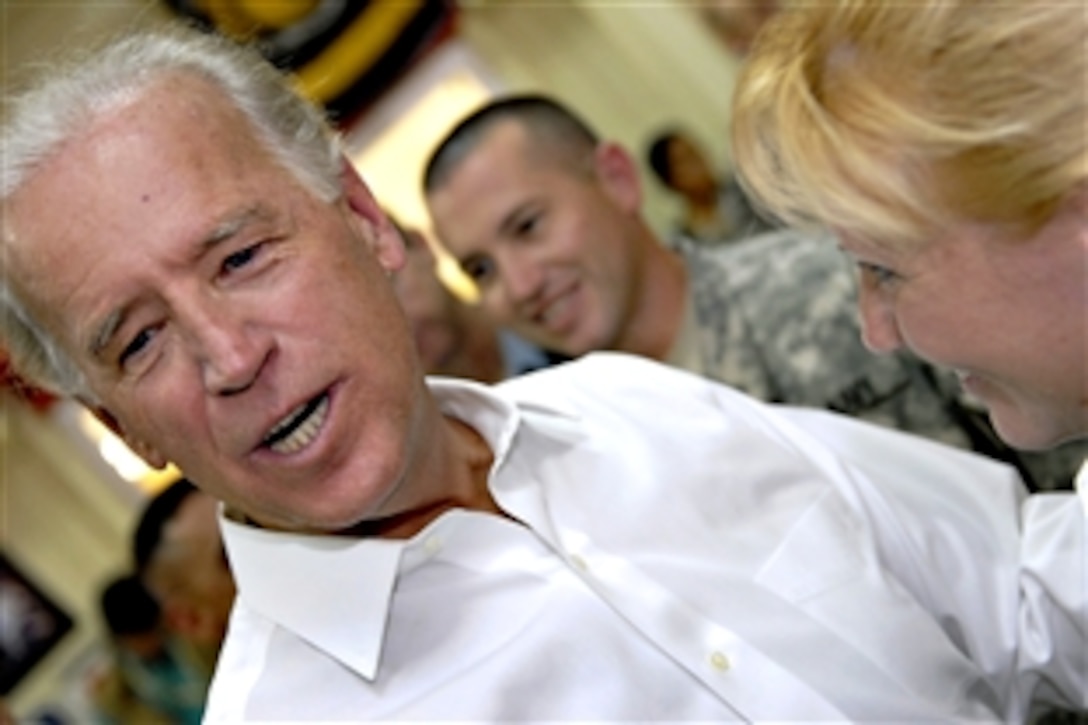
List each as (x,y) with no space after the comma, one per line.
(231,226)
(514,218)
(104,333)
(223,231)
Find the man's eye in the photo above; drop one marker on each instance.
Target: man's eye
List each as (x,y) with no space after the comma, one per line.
(137,345)
(526,226)
(241,258)
(480,269)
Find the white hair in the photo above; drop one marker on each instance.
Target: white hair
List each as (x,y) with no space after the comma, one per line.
(62,102)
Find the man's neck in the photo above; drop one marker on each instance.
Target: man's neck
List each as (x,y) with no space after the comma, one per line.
(483,354)
(454,474)
(658,309)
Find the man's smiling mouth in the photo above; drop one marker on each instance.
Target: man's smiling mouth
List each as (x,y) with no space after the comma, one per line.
(558,312)
(299,428)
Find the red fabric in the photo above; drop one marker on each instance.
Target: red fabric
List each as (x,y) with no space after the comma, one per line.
(37,398)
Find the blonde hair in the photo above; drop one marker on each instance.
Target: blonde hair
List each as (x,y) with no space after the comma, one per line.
(891,120)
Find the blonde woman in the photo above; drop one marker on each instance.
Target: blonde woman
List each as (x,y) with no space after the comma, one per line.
(945,144)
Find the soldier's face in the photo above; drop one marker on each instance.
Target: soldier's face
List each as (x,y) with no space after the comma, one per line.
(548,245)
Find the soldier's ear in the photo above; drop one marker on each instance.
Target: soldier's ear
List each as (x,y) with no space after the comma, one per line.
(617,173)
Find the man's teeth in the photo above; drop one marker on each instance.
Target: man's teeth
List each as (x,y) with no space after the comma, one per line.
(300,428)
(556,309)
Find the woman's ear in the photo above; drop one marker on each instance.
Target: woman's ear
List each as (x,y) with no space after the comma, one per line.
(618,174)
(375,226)
(149,453)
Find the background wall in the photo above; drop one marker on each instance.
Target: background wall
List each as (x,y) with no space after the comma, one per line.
(65,519)
(628,67)
(64,515)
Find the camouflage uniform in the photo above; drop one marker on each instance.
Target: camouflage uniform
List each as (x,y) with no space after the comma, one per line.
(775,316)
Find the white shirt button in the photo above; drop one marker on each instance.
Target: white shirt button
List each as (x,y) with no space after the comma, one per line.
(579,563)
(432,545)
(719,661)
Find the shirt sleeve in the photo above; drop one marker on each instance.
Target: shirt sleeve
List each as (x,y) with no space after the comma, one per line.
(1054,595)
(1006,574)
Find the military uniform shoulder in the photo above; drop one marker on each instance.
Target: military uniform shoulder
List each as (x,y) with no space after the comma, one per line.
(776,239)
(780,249)
(783,262)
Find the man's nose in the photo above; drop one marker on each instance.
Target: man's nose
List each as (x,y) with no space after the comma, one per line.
(520,280)
(879,326)
(230,351)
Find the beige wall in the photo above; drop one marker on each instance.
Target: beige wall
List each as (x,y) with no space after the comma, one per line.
(629,68)
(65,525)
(65,516)
(30,30)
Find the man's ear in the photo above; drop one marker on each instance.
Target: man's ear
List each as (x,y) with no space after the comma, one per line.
(149,453)
(380,233)
(618,174)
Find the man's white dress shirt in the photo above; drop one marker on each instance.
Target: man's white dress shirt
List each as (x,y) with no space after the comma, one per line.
(675,551)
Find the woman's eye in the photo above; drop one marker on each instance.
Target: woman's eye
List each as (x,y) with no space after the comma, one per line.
(880,275)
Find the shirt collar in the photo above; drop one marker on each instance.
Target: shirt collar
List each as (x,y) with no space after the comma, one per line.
(298,581)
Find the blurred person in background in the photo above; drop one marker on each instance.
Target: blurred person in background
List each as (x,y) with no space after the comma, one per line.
(150,677)
(179,555)
(716,207)
(716,210)
(454,337)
